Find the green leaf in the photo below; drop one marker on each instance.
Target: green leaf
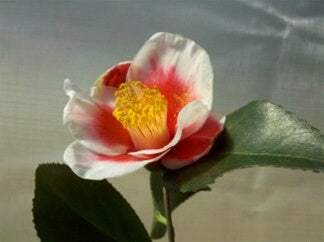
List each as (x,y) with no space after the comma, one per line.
(258,134)
(68,208)
(176,198)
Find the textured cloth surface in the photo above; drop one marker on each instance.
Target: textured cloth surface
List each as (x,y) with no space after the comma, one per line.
(268,49)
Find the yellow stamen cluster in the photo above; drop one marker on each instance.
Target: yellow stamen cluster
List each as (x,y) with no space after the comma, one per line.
(143,112)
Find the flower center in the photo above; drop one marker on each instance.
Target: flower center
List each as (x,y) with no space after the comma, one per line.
(143,112)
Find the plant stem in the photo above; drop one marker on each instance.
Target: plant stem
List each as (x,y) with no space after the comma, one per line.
(167,209)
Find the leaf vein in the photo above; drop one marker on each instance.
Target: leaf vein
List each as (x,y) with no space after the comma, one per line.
(271,155)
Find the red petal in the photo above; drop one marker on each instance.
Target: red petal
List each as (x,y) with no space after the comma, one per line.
(192,148)
(107,129)
(116,75)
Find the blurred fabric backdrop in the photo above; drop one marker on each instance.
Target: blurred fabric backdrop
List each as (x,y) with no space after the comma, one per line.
(260,49)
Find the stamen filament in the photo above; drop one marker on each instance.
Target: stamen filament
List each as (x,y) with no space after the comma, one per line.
(143,112)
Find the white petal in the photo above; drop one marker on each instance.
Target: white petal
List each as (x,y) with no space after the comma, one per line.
(89,165)
(104,94)
(164,51)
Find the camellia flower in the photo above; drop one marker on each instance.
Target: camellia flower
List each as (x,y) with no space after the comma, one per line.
(154,108)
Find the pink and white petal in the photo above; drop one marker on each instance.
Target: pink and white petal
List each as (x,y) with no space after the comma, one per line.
(189,150)
(194,123)
(114,76)
(186,116)
(104,95)
(179,67)
(93,124)
(90,165)
(107,84)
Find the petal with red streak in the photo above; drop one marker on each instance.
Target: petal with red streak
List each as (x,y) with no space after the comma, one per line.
(114,76)
(90,165)
(93,124)
(192,148)
(180,68)
(106,85)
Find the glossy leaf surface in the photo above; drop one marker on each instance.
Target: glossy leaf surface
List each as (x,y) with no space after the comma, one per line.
(68,208)
(258,134)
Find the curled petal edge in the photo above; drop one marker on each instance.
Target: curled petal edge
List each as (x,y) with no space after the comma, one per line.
(201,142)
(89,165)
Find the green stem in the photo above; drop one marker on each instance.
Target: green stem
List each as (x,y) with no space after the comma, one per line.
(167,209)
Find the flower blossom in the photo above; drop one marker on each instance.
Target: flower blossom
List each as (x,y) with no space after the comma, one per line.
(156,107)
